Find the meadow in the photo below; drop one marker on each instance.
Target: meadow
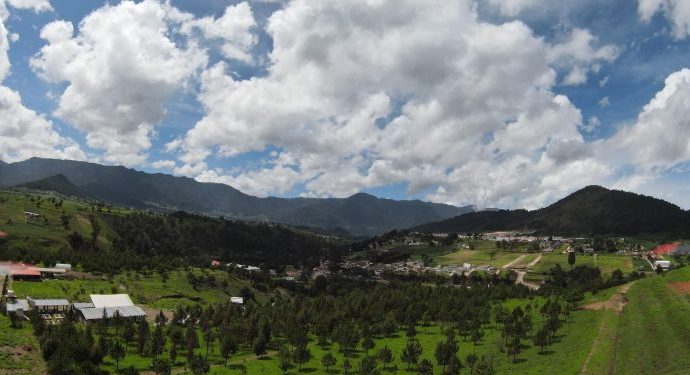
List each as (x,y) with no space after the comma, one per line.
(47,231)
(606,262)
(19,350)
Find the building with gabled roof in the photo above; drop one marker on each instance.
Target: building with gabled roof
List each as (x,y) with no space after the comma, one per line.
(111,300)
(109,305)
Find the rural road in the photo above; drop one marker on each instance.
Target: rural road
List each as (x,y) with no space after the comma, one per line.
(521,272)
(514,261)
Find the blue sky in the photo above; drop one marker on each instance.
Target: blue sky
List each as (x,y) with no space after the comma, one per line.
(510,104)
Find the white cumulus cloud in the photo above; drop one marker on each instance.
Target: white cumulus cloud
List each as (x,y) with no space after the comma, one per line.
(121,65)
(677,12)
(361,94)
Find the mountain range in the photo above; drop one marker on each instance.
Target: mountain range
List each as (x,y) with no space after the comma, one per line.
(358,215)
(593,210)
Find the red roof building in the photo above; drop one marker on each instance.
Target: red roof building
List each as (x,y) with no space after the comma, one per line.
(25,274)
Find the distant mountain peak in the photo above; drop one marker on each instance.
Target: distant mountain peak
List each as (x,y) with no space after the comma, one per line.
(58,183)
(590,210)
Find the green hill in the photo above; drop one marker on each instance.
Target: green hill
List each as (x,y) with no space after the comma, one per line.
(58,183)
(592,210)
(107,239)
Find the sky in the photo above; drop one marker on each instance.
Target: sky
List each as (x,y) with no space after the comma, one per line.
(496,103)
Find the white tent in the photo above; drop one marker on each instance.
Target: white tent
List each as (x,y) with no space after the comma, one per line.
(111,300)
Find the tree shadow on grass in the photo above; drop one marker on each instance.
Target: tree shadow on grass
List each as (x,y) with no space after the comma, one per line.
(306,370)
(546,352)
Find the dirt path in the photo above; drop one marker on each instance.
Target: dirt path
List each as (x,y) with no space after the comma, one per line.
(615,303)
(522,272)
(514,261)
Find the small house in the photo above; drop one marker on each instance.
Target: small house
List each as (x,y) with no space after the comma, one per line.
(665,264)
(49,306)
(63,266)
(237,300)
(25,274)
(18,306)
(109,305)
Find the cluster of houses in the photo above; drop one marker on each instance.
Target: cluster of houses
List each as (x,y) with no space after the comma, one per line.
(54,310)
(405,268)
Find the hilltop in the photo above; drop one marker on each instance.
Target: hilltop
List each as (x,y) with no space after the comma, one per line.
(359,215)
(108,238)
(591,210)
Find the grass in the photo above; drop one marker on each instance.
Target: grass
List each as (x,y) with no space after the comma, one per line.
(483,257)
(606,262)
(48,233)
(19,349)
(655,312)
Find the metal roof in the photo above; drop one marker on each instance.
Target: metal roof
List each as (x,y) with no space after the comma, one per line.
(51,270)
(49,302)
(20,304)
(82,305)
(96,313)
(111,300)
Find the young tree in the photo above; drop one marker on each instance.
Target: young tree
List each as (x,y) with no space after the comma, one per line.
(411,331)
(161,366)
(191,341)
(385,356)
(425,367)
(157,342)
(471,361)
(367,344)
(198,365)
(442,355)
(327,361)
(454,366)
(209,337)
(228,347)
(346,366)
(485,366)
(571,259)
(302,355)
(367,366)
(259,348)
(117,351)
(541,339)
(142,336)
(284,359)
(410,355)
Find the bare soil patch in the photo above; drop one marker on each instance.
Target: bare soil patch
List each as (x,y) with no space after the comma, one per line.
(616,302)
(681,287)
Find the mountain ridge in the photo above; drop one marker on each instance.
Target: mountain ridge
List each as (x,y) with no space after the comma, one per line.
(592,210)
(360,215)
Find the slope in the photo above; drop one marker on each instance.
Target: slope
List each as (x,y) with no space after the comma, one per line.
(591,210)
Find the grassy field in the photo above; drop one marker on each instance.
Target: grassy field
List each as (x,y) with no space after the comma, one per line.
(48,231)
(483,257)
(19,349)
(657,312)
(606,262)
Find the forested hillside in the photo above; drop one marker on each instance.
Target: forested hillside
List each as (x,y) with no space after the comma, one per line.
(592,210)
(106,238)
